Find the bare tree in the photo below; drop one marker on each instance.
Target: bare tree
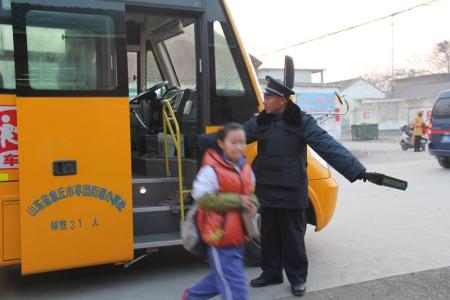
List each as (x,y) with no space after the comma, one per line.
(441,57)
(383,79)
(436,62)
(380,79)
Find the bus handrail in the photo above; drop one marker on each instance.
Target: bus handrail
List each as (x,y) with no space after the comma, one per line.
(177,140)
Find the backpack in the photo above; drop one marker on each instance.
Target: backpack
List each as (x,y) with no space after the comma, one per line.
(190,235)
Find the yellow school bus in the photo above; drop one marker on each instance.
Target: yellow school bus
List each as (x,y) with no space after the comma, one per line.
(101,103)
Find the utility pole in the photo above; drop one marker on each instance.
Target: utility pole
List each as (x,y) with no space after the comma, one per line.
(392,55)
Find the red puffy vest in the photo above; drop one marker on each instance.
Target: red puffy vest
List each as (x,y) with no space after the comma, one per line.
(225,229)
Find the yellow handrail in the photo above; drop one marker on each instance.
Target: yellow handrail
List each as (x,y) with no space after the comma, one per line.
(177,140)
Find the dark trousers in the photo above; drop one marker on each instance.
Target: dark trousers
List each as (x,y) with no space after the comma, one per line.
(283,243)
(417,139)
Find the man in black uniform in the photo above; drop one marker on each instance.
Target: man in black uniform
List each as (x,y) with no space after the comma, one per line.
(283,131)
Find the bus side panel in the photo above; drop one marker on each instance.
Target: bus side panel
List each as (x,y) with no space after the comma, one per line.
(322,194)
(81,219)
(9,191)
(9,169)
(11,228)
(10,223)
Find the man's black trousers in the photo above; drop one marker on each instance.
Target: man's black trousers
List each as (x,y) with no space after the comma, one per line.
(417,140)
(283,243)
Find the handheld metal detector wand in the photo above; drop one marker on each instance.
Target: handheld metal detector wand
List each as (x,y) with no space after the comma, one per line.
(381,179)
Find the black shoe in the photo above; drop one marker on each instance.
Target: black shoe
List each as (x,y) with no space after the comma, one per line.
(298,289)
(262,281)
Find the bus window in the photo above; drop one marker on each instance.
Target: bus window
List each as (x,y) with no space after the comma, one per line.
(181,49)
(227,76)
(232,97)
(153,73)
(7,71)
(70,51)
(133,71)
(7,67)
(5,5)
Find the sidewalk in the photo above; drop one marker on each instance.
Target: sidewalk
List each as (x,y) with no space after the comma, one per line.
(432,284)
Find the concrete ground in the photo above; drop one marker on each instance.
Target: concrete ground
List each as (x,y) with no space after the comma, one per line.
(431,284)
(376,233)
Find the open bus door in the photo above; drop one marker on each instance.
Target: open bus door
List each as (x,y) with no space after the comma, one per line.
(74,140)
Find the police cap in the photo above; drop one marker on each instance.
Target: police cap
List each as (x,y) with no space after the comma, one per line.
(276,87)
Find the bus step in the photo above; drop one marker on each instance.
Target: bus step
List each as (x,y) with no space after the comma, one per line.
(155,222)
(142,180)
(159,208)
(157,240)
(153,191)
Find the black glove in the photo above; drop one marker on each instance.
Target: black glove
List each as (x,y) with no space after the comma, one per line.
(361,176)
(376,178)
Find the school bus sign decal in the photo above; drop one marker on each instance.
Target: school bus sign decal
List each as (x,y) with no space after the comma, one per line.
(77,190)
(9,158)
(70,192)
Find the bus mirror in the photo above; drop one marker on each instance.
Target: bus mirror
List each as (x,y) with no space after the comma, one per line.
(289,72)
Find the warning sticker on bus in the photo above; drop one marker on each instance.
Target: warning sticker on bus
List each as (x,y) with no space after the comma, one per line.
(9,158)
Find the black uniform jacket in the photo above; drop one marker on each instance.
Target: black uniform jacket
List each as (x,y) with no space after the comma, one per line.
(314,136)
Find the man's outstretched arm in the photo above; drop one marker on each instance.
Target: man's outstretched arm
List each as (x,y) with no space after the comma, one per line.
(331,150)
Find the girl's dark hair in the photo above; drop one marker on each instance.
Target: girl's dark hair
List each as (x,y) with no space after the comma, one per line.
(222,133)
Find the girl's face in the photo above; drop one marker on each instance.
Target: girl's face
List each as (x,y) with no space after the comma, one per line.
(233,145)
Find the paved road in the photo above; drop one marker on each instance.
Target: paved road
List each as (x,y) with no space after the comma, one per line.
(376,233)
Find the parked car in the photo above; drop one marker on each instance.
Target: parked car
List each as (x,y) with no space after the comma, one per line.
(440,129)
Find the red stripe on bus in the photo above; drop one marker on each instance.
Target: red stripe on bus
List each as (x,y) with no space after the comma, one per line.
(440,131)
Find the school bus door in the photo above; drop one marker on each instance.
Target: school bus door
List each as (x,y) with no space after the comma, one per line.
(74,135)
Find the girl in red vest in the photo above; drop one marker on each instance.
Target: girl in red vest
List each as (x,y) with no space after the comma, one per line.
(223,186)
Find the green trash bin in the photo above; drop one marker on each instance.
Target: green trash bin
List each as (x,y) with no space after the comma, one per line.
(356,132)
(364,132)
(371,131)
